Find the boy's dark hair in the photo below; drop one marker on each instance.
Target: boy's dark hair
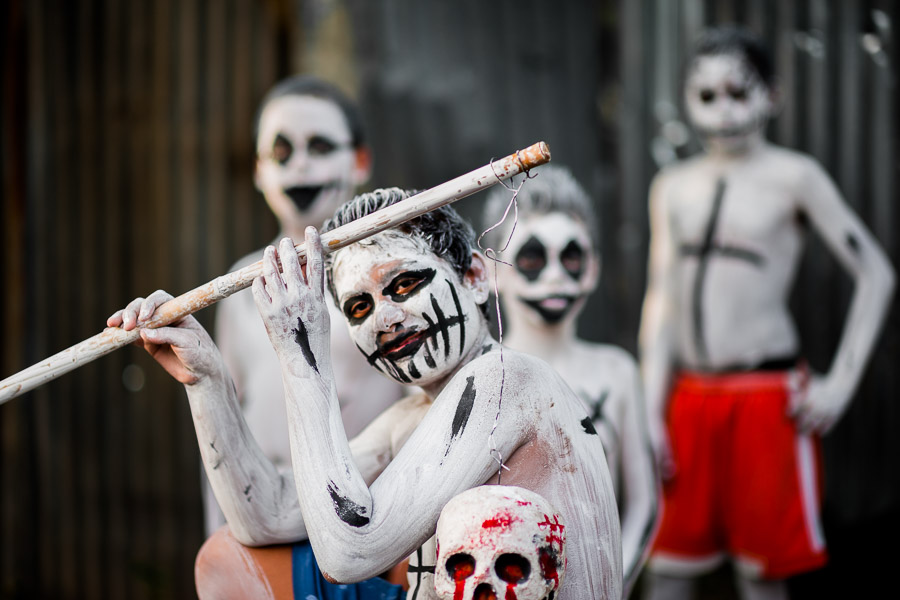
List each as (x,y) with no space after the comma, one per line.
(731,39)
(307,85)
(448,235)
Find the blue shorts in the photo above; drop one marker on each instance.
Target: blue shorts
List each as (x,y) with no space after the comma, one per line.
(309,584)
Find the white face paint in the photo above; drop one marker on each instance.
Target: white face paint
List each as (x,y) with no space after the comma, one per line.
(407,310)
(727,102)
(306,164)
(499,542)
(555,269)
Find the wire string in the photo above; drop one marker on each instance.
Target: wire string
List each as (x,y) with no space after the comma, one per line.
(492,255)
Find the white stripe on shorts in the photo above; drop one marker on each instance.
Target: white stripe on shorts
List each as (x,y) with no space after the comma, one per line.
(806,471)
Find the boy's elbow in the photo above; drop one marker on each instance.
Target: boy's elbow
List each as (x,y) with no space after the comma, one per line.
(342,569)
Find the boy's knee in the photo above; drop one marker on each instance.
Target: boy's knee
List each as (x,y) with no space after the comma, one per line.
(226,569)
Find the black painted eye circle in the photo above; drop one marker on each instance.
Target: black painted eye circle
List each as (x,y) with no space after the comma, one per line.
(512,568)
(738,93)
(406,285)
(707,96)
(460,566)
(357,308)
(572,259)
(531,258)
(282,149)
(320,146)
(530,261)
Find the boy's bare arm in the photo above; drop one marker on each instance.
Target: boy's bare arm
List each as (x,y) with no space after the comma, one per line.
(874,281)
(656,335)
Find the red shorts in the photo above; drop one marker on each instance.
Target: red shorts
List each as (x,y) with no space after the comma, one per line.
(746,482)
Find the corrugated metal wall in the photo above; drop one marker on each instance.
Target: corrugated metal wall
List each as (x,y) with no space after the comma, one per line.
(127,158)
(127,152)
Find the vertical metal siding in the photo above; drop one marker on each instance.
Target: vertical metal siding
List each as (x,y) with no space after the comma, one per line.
(128,157)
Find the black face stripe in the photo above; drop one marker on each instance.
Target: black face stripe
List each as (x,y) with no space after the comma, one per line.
(430,321)
(301,336)
(531,259)
(385,366)
(459,312)
(442,324)
(382,356)
(424,277)
(572,259)
(349,512)
(413,371)
(348,308)
(429,359)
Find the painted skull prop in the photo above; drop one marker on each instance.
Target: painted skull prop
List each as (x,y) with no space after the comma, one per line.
(499,542)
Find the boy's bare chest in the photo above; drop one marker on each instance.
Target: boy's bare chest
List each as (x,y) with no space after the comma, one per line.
(744,214)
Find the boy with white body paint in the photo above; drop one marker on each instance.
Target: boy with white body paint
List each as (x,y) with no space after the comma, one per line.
(555,267)
(311,156)
(412,298)
(719,348)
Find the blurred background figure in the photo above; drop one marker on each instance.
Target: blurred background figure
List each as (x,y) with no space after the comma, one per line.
(553,266)
(130,122)
(720,353)
(311,156)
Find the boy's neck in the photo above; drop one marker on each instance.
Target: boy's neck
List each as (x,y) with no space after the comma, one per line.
(545,341)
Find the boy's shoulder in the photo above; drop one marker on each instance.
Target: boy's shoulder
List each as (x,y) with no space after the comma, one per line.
(606,356)
(525,375)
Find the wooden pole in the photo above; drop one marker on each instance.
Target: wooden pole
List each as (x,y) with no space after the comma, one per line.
(190,302)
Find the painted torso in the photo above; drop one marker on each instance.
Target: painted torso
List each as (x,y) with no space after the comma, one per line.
(604,377)
(736,240)
(558,460)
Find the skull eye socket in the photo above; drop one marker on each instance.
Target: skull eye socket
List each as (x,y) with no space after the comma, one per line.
(460,566)
(512,568)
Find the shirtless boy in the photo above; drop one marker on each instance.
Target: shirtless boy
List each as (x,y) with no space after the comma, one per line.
(413,300)
(311,156)
(719,348)
(555,267)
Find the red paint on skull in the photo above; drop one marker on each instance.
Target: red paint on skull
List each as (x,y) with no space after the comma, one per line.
(460,589)
(510,592)
(548,566)
(504,520)
(555,535)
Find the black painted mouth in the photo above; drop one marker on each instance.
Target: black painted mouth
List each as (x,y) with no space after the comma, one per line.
(403,345)
(551,315)
(305,196)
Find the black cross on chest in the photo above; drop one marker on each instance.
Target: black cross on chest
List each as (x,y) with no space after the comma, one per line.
(704,252)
